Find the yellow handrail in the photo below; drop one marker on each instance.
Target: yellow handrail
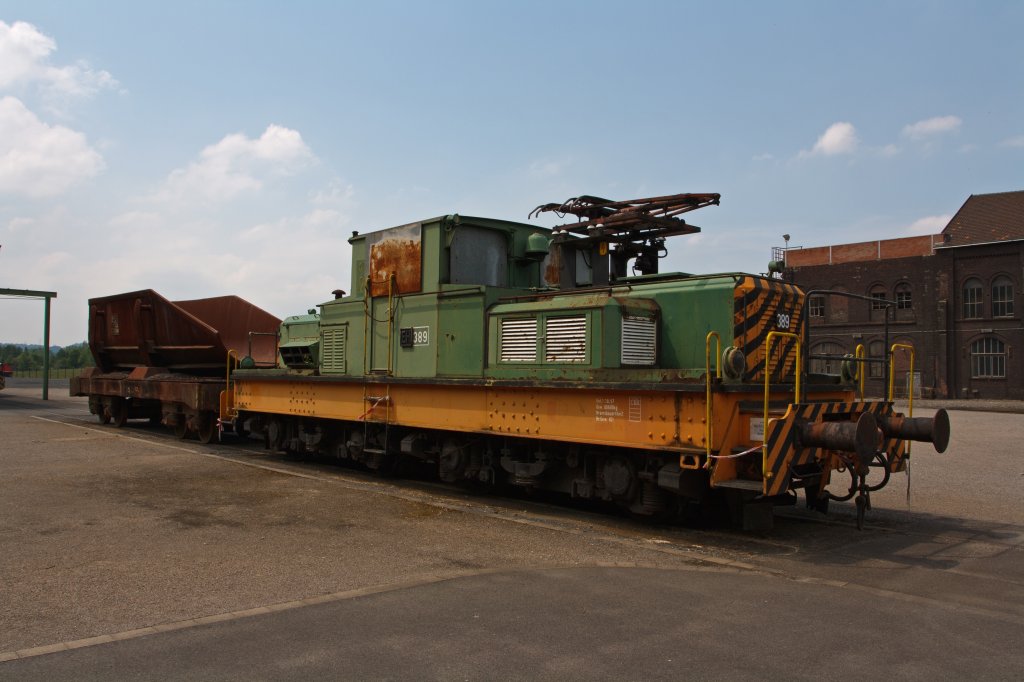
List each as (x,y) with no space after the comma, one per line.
(229,405)
(391,321)
(370,318)
(858,356)
(892,379)
(767,377)
(892,373)
(367,321)
(708,429)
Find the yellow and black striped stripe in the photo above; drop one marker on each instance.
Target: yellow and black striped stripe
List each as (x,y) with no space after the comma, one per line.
(760,306)
(783,452)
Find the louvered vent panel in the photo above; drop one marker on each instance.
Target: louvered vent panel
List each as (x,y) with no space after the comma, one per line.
(333,349)
(566,339)
(519,340)
(639,341)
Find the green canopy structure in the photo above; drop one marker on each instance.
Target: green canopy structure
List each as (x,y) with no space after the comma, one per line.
(46,296)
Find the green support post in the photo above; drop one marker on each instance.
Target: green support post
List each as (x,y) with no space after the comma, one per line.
(46,348)
(46,296)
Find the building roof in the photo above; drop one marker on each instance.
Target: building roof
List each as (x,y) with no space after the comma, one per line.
(987,218)
(983,219)
(880,249)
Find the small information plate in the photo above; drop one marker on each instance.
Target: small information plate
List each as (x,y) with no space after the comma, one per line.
(757,428)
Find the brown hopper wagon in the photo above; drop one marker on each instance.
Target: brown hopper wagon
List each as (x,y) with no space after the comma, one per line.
(167,361)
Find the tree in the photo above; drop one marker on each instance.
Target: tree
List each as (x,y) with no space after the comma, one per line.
(23,358)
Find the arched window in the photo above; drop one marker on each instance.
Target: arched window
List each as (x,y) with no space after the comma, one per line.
(972,298)
(816,306)
(988,358)
(876,351)
(877,295)
(1002,297)
(904,301)
(828,365)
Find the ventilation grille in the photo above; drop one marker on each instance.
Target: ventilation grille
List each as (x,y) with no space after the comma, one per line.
(299,357)
(519,340)
(639,341)
(566,339)
(334,350)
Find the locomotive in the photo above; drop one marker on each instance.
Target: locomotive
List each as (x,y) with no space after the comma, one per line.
(502,353)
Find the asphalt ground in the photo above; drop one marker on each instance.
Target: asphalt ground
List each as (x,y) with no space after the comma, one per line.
(127,554)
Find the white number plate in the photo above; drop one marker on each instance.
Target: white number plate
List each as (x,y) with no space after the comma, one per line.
(421,336)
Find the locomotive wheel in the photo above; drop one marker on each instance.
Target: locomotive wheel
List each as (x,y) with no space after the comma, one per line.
(119,412)
(103,416)
(207,429)
(275,435)
(180,428)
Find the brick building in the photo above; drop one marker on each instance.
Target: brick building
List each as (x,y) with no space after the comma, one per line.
(954,296)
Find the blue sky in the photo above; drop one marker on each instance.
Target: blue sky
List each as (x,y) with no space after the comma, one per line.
(210,148)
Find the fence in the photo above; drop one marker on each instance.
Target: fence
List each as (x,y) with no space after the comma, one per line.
(38,373)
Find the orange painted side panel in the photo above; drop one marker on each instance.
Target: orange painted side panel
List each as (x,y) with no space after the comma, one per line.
(656,420)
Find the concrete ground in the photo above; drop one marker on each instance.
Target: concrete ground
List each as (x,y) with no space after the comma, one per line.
(129,554)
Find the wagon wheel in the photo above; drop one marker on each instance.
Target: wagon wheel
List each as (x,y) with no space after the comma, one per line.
(180,427)
(103,415)
(207,428)
(119,411)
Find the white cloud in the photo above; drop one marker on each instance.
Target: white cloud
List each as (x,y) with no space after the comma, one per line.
(40,160)
(238,164)
(1017,141)
(763,157)
(170,251)
(24,59)
(22,50)
(840,138)
(930,224)
(932,126)
(889,150)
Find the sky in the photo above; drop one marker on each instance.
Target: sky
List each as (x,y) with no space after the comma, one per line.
(212,148)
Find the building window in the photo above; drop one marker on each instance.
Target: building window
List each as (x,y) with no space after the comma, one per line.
(972,298)
(828,365)
(817,306)
(988,358)
(903,298)
(878,298)
(876,351)
(1002,297)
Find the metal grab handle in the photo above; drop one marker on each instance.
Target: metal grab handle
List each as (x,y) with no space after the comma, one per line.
(858,356)
(708,429)
(892,378)
(228,407)
(892,373)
